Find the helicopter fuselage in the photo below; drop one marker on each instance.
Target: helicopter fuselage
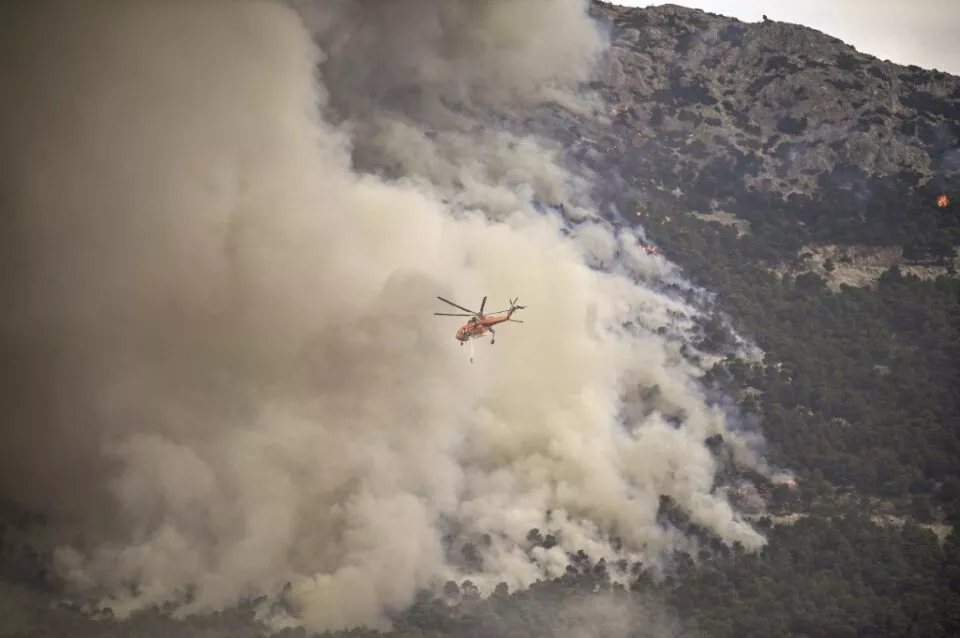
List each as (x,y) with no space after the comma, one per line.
(476,328)
(480,324)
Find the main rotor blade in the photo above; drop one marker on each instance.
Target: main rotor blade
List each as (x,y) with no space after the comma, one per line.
(457,306)
(482,304)
(517,320)
(513,302)
(453,314)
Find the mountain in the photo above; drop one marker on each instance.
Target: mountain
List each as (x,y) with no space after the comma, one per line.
(780,103)
(800,182)
(816,191)
(779,127)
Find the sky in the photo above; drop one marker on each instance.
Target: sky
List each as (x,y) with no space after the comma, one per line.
(921,32)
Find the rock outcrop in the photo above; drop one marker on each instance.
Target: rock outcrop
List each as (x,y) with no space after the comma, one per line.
(771,123)
(776,105)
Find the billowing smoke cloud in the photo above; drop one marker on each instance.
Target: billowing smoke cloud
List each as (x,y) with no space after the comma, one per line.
(221,371)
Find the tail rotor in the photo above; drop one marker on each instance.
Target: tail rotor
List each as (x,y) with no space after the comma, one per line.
(513,308)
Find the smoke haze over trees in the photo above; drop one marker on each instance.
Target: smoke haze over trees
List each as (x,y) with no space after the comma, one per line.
(225,226)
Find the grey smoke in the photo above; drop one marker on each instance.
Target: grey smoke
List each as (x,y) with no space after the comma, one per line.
(220,365)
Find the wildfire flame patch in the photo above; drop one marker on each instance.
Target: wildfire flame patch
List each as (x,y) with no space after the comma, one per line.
(943,201)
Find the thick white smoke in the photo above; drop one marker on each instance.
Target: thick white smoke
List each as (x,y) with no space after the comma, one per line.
(221,367)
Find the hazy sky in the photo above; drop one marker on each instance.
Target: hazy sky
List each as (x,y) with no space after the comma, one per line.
(921,32)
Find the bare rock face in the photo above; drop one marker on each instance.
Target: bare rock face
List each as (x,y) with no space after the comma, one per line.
(770,123)
(777,104)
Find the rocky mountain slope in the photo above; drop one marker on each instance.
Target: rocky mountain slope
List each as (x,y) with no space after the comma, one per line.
(773,124)
(783,102)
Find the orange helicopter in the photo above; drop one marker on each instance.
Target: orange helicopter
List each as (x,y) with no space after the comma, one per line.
(480,324)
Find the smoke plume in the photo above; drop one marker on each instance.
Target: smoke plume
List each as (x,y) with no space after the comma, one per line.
(225,225)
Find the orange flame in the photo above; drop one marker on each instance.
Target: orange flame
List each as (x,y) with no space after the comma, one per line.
(942,201)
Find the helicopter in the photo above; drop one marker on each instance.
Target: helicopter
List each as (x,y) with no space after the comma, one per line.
(480,324)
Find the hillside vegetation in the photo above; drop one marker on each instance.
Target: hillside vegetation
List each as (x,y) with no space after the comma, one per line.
(797,179)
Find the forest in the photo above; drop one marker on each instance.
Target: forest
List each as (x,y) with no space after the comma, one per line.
(859,394)
(861,384)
